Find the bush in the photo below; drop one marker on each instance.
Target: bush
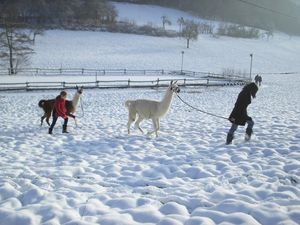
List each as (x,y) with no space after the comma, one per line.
(238,31)
(231,72)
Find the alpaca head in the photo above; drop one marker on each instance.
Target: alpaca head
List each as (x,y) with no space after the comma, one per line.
(174,87)
(79,90)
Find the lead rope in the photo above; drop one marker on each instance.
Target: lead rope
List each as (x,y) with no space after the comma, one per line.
(199,110)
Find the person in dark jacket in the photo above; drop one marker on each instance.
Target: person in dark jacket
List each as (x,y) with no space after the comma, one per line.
(239,114)
(258,80)
(59,110)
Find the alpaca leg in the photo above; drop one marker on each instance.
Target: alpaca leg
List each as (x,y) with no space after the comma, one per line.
(47,118)
(137,123)
(154,123)
(131,119)
(157,127)
(42,119)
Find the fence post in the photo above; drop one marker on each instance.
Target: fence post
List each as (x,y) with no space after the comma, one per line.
(103,72)
(124,71)
(97,83)
(37,71)
(144,72)
(27,86)
(157,82)
(82,71)
(184,80)
(207,81)
(63,84)
(60,70)
(129,82)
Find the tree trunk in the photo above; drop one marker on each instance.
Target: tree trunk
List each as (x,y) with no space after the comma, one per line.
(187,43)
(9,45)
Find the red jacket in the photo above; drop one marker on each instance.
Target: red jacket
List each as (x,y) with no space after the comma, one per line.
(60,107)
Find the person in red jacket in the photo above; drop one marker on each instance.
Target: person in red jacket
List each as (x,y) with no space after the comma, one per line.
(59,110)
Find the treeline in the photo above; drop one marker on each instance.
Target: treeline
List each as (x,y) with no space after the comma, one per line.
(272,15)
(58,13)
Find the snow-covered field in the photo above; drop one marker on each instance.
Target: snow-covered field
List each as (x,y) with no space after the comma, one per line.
(103,50)
(98,174)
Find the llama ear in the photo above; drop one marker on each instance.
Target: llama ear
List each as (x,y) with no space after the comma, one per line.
(171,82)
(175,82)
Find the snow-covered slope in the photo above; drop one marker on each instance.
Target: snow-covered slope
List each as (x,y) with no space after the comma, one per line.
(79,49)
(98,174)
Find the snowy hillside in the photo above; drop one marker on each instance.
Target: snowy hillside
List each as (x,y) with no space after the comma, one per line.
(98,174)
(79,49)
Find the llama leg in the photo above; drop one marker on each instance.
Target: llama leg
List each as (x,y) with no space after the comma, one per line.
(47,118)
(157,127)
(131,118)
(137,123)
(130,121)
(42,119)
(154,123)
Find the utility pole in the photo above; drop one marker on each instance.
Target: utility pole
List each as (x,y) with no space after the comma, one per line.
(182,53)
(251,56)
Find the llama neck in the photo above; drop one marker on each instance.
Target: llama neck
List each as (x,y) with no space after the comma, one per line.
(164,105)
(75,100)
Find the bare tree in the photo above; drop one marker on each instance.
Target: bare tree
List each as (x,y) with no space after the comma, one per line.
(15,45)
(165,21)
(190,31)
(37,30)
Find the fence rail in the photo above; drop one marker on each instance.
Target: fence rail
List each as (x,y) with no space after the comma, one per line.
(81,71)
(103,72)
(125,83)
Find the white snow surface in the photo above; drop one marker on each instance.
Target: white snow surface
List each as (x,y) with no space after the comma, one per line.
(97,174)
(104,50)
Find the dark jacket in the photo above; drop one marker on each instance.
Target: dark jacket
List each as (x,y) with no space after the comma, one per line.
(239,114)
(59,107)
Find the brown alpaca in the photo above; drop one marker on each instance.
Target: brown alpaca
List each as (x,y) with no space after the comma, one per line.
(48,105)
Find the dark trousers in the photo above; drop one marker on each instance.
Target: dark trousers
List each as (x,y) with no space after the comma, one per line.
(54,119)
(235,126)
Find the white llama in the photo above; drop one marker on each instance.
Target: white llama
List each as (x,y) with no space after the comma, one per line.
(149,109)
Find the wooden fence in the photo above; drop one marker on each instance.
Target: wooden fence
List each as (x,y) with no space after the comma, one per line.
(208,81)
(104,72)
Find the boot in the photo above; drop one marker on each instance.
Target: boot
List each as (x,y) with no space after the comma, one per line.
(229,139)
(65,129)
(50,130)
(248,134)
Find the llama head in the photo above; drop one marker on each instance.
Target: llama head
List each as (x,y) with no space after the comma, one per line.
(79,90)
(174,87)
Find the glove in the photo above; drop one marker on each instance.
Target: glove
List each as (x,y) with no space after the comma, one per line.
(231,119)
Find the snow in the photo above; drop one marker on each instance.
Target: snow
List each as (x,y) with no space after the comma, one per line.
(103,50)
(151,14)
(98,174)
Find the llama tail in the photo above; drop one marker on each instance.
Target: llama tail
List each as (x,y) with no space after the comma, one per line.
(41,103)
